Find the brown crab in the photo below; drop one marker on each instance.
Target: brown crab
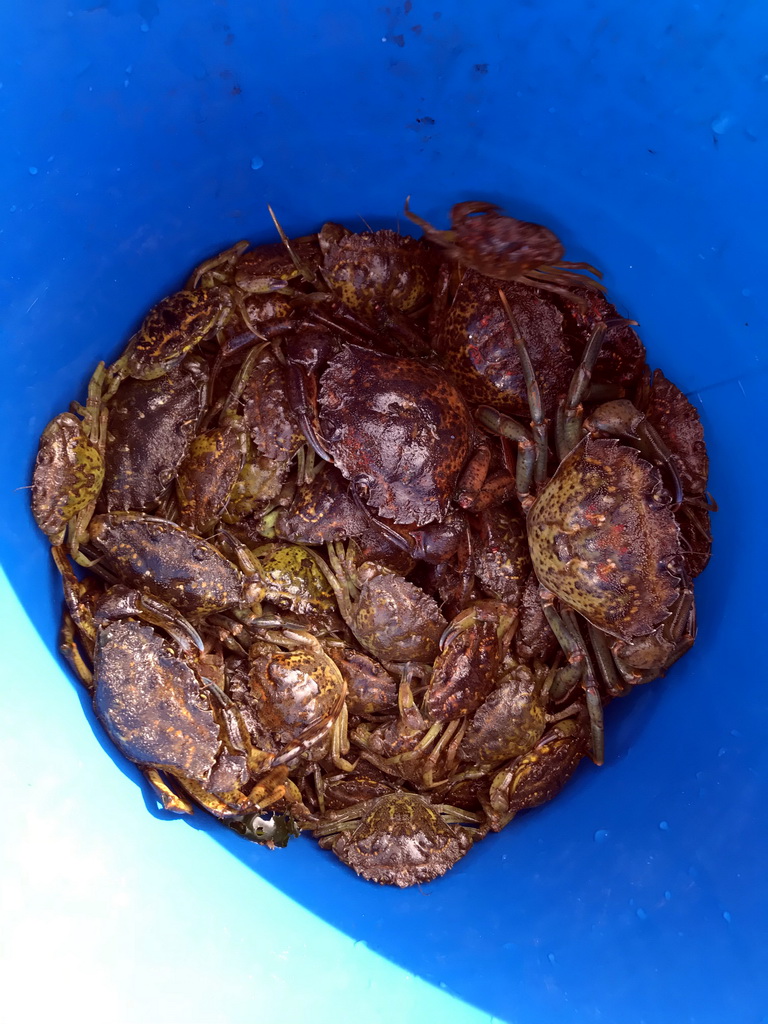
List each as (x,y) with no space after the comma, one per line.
(471,333)
(300,695)
(603,537)
(69,470)
(507,249)
(399,838)
(151,425)
(538,776)
(396,428)
(371,267)
(392,619)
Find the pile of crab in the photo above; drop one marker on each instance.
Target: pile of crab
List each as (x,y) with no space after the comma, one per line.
(360,534)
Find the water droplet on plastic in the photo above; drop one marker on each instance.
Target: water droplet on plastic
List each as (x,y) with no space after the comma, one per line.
(443,984)
(256,163)
(551,957)
(144,26)
(641,914)
(721,124)
(602,835)
(746,292)
(727,916)
(33,170)
(667,894)
(664,826)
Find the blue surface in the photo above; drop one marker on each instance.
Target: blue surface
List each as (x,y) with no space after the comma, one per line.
(139,136)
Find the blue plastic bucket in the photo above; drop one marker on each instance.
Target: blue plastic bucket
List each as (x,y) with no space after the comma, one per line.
(139,136)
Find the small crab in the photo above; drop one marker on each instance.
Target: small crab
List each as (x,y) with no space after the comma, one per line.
(500,555)
(168,333)
(399,838)
(407,746)
(507,249)
(69,470)
(300,695)
(340,790)
(513,718)
(262,442)
(322,510)
(394,620)
(371,689)
(471,652)
(293,581)
(208,474)
(470,331)
(538,776)
(151,425)
(371,267)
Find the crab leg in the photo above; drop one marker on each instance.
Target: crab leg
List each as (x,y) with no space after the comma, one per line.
(225,258)
(568,432)
(538,422)
(570,639)
(620,418)
(605,662)
(497,422)
(70,650)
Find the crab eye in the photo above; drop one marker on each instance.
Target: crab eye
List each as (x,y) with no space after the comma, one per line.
(361,485)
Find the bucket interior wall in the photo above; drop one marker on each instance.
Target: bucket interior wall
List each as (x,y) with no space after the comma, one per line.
(141,137)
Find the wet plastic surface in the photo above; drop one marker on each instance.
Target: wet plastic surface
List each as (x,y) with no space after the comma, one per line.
(141,136)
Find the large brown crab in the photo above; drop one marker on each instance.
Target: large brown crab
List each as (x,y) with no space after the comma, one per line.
(397,428)
(604,542)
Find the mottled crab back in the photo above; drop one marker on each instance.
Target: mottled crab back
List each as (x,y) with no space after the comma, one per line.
(499,246)
(604,539)
(398,429)
(402,841)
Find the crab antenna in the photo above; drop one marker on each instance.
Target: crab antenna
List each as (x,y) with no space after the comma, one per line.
(302,268)
(538,422)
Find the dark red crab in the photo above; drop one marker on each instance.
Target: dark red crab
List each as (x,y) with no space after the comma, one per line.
(398,429)
(507,249)
(472,335)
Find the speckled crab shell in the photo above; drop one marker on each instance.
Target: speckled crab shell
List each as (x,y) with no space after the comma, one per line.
(604,539)
(398,429)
